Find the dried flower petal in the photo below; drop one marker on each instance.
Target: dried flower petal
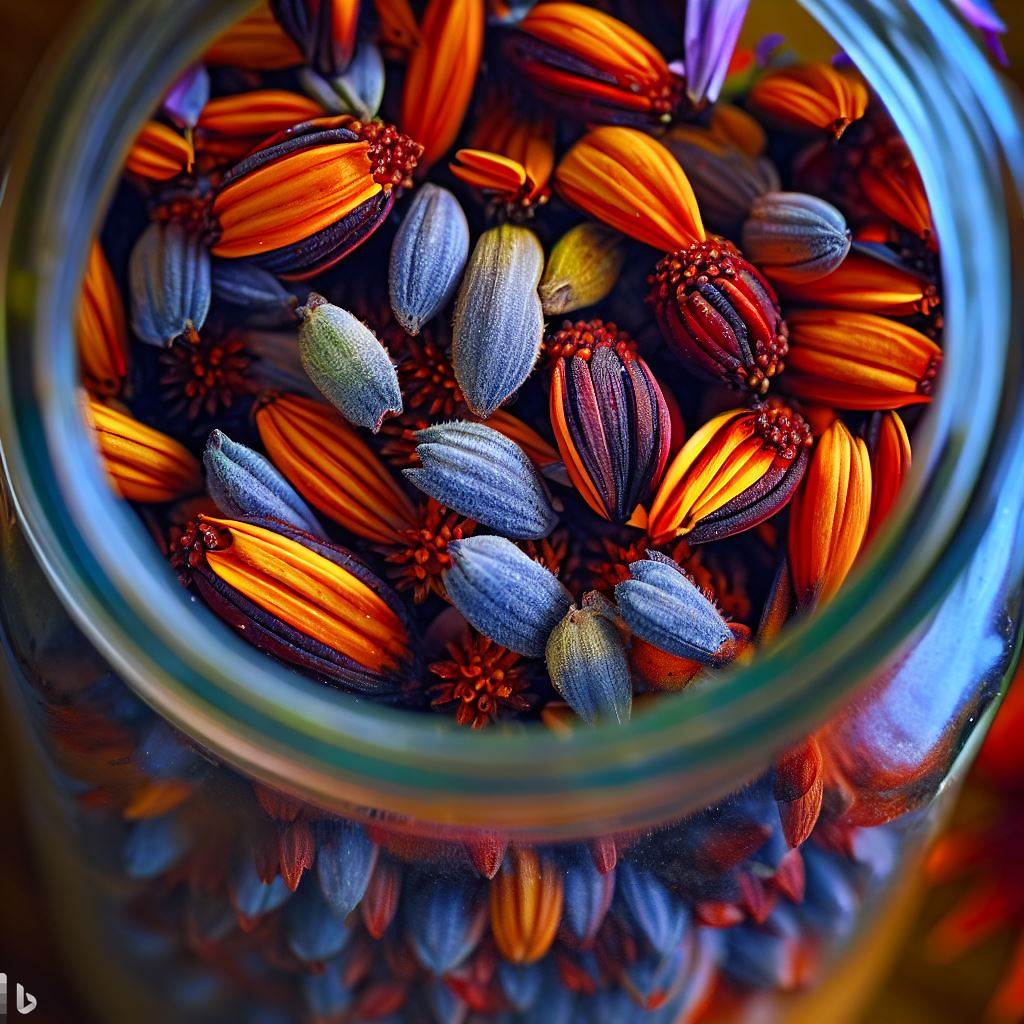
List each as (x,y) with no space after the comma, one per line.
(581,269)
(330,466)
(143,464)
(890,464)
(505,594)
(346,857)
(656,916)
(712,29)
(852,360)
(795,237)
(719,315)
(444,921)
(347,363)
(359,91)
(380,904)
(811,96)
(526,905)
(798,790)
(441,74)
(830,515)
(189,93)
(428,257)
(256,42)
(586,660)
(631,182)
(739,469)
(169,283)
(498,323)
(159,153)
(588,897)
(609,417)
(102,336)
(479,473)
(325,30)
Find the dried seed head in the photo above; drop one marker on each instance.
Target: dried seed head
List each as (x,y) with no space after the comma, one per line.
(719,315)
(582,269)
(203,375)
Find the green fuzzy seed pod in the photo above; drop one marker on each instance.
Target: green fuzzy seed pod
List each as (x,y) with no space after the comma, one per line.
(582,269)
(347,363)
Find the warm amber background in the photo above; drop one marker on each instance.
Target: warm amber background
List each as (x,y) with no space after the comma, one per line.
(916,990)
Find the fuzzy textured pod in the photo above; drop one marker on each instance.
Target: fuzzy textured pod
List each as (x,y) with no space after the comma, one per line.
(586,660)
(582,269)
(609,417)
(169,283)
(499,324)
(504,594)
(631,182)
(795,237)
(345,859)
(830,516)
(479,473)
(719,315)
(442,72)
(739,469)
(347,363)
(811,97)
(588,897)
(102,334)
(329,465)
(143,464)
(725,179)
(259,297)
(526,905)
(428,257)
(324,30)
(890,463)
(302,600)
(663,606)
(311,194)
(852,360)
(592,66)
(244,485)
(159,153)
(444,921)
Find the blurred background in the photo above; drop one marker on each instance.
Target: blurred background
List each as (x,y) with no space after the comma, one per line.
(919,983)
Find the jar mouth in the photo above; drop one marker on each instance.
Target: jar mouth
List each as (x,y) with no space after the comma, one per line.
(348,753)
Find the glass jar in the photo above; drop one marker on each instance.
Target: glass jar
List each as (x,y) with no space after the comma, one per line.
(259,849)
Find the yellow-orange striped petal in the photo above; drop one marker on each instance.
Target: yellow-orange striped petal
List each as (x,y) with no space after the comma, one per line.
(853,360)
(441,74)
(491,172)
(865,284)
(143,464)
(737,470)
(829,518)
(890,464)
(308,592)
(631,182)
(257,43)
(526,906)
(102,335)
(897,191)
(330,466)
(811,97)
(159,153)
(733,126)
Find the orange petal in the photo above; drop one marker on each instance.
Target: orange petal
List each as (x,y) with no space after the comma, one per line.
(159,153)
(257,43)
(812,96)
(890,464)
(526,906)
(102,335)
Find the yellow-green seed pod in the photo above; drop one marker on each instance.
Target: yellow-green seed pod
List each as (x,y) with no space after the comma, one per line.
(582,269)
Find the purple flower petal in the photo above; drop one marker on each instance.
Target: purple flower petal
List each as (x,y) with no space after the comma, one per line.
(712,28)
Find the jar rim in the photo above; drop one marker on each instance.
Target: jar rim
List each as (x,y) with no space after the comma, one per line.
(348,753)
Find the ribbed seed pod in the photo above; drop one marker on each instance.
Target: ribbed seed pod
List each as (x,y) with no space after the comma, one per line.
(739,469)
(311,194)
(582,269)
(725,179)
(526,906)
(102,336)
(169,283)
(593,66)
(347,363)
(890,463)
(313,933)
(505,594)
(586,660)
(358,91)
(259,297)
(479,473)
(428,257)
(719,315)
(662,605)
(811,97)
(324,30)
(143,464)
(246,486)
(498,324)
(631,182)
(444,921)
(657,917)
(159,153)
(830,516)
(852,360)
(609,417)
(302,600)
(795,237)
(441,74)
(588,897)
(330,466)
(345,859)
